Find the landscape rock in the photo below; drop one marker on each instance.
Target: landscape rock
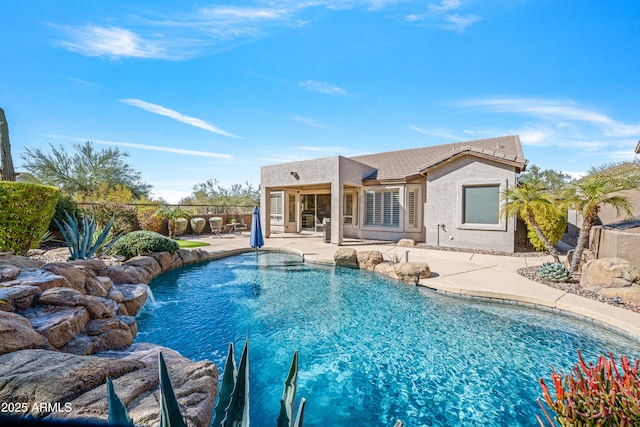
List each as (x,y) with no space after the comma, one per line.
(406,243)
(17,297)
(386,269)
(35,376)
(412,272)
(587,256)
(100,335)
(126,274)
(16,334)
(19,261)
(42,279)
(77,275)
(92,264)
(8,272)
(194,383)
(71,298)
(93,287)
(609,273)
(188,256)
(369,259)
(58,325)
(147,263)
(164,259)
(346,257)
(134,294)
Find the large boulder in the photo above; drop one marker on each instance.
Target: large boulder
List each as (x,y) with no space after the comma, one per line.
(587,256)
(8,272)
(147,263)
(77,275)
(68,297)
(6,258)
(164,259)
(134,296)
(367,260)
(41,376)
(42,279)
(406,243)
(609,273)
(346,257)
(194,383)
(58,325)
(412,272)
(16,334)
(386,269)
(127,274)
(17,297)
(100,335)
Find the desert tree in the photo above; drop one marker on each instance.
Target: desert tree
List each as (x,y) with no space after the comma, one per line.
(85,171)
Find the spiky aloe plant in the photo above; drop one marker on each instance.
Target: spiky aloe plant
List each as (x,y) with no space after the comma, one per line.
(170,415)
(117,411)
(81,242)
(287,403)
(554,272)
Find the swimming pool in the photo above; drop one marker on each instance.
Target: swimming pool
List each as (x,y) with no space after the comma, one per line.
(371,350)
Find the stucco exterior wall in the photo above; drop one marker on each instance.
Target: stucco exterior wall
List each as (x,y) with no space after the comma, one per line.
(444,205)
(608,243)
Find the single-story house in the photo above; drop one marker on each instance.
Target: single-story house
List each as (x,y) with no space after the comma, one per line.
(447,195)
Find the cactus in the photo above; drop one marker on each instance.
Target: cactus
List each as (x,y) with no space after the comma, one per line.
(85,244)
(554,272)
(170,415)
(7,173)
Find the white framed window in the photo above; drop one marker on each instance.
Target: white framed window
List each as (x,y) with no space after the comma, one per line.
(348,208)
(413,211)
(383,208)
(276,204)
(481,204)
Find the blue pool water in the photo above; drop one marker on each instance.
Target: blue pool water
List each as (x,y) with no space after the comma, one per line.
(371,350)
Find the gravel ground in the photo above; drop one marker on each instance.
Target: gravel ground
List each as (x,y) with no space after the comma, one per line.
(573,286)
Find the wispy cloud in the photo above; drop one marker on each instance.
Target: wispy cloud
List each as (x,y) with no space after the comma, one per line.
(559,111)
(184,35)
(323,149)
(147,147)
(307,121)
(109,42)
(441,14)
(192,121)
(326,88)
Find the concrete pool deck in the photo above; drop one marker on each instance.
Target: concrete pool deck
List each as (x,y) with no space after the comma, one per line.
(463,273)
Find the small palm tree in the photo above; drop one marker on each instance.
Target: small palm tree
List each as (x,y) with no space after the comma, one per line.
(602,186)
(527,199)
(172,215)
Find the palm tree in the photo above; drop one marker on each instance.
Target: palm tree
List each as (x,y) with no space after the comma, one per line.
(602,186)
(526,200)
(172,215)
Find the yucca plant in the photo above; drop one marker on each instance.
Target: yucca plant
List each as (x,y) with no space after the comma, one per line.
(81,241)
(554,272)
(287,403)
(170,415)
(594,395)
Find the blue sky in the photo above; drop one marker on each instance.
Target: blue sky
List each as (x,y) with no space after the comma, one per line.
(195,90)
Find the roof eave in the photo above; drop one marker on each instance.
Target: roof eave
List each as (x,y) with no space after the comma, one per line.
(518,163)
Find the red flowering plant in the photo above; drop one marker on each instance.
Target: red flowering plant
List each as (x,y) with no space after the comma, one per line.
(594,395)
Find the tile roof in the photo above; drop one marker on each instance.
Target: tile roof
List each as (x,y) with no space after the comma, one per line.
(403,164)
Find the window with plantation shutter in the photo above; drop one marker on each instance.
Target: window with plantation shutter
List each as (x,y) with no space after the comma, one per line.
(412,207)
(348,208)
(383,208)
(277,207)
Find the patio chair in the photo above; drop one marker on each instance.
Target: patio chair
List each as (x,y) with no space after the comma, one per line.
(215,222)
(240,226)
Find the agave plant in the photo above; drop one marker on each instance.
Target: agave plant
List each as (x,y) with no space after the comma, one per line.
(170,415)
(84,242)
(554,272)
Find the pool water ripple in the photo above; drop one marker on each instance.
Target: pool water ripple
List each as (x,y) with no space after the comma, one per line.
(371,350)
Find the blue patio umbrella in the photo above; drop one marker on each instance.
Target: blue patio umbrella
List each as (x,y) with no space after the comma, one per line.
(255,239)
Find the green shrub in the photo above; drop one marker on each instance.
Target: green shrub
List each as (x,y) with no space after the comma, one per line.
(553,223)
(125,217)
(68,205)
(25,212)
(147,220)
(139,242)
